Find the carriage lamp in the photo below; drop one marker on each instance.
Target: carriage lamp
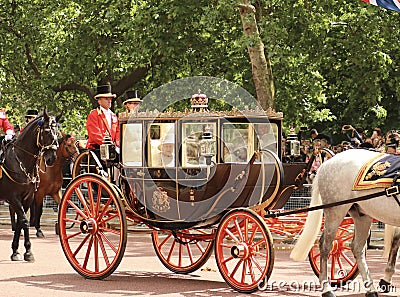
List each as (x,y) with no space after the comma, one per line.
(292,148)
(192,144)
(107,149)
(207,146)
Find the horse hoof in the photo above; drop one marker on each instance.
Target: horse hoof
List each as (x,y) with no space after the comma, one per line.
(39,234)
(328,294)
(371,294)
(28,257)
(16,257)
(384,286)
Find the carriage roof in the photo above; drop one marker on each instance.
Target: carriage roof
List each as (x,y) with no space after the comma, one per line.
(202,114)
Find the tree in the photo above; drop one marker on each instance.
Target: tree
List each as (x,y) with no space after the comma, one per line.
(333,63)
(260,65)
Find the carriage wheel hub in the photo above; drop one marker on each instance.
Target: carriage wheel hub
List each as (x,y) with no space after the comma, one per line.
(88,226)
(240,251)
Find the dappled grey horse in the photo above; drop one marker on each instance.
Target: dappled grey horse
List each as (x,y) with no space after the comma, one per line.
(334,183)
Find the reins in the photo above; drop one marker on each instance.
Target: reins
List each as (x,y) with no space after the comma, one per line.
(332,204)
(33,178)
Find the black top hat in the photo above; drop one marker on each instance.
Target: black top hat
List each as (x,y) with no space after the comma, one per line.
(104,91)
(31,113)
(132,96)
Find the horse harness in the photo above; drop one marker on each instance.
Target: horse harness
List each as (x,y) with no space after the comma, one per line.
(393,190)
(33,178)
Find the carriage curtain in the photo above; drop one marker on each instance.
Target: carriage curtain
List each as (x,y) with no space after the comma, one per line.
(388,4)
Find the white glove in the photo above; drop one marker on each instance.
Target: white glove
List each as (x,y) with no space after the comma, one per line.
(117,149)
(9,135)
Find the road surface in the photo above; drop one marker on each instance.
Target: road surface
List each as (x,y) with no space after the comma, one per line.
(141,274)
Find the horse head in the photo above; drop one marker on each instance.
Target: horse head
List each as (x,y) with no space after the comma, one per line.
(47,137)
(68,148)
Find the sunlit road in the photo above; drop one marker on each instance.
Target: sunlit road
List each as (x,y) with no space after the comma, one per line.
(141,274)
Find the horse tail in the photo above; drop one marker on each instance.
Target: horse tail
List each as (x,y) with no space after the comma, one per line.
(311,227)
(388,240)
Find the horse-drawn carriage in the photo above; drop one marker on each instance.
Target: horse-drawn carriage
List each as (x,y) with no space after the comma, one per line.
(199,181)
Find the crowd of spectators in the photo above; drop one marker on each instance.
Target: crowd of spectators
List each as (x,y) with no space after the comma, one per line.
(355,138)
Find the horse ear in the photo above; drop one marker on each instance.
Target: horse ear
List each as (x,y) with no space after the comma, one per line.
(63,134)
(59,116)
(46,116)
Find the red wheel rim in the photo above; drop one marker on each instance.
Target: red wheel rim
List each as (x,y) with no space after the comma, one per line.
(342,266)
(185,252)
(92,227)
(243,250)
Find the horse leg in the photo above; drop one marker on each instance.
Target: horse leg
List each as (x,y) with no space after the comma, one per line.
(362,225)
(12,217)
(28,256)
(32,214)
(21,220)
(16,256)
(385,283)
(37,217)
(333,219)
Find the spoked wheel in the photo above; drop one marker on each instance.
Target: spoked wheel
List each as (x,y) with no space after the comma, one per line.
(85,163)
(244,250)
(93,227)
(183,251)
(341,262)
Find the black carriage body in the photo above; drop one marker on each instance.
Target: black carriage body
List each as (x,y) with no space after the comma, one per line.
(182,191)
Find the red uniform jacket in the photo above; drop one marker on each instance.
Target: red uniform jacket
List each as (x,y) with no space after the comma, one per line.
(97,127)
(4,123)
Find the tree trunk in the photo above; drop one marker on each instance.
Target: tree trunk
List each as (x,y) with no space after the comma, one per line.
(261,66)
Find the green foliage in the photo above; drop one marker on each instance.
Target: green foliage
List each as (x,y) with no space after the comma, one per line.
(333,63)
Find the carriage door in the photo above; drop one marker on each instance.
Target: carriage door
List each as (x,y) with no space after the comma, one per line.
(132,161)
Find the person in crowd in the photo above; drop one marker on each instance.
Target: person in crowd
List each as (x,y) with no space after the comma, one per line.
(392,142)
(102,121)
(132,102)
(339,148)
(377,138)
(315,135)
(391,148)
(352,135)
(367,144)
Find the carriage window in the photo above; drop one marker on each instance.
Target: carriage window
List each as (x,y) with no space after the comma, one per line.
(162,145)
(237,142)
(132,144)
(266,136)
(196,145)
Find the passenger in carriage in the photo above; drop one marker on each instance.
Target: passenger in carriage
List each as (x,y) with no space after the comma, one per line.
(165,156)
(102,121)
(132,102)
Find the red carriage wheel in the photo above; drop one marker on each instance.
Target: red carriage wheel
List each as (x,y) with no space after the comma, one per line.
(85,163)
(341,262)
(244,250)
(93,228)
(183,251)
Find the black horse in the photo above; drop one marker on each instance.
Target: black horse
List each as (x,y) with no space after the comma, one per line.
(19,178)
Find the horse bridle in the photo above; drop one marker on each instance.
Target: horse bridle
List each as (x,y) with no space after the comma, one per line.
(70,153)
(54,144)
(34,178)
